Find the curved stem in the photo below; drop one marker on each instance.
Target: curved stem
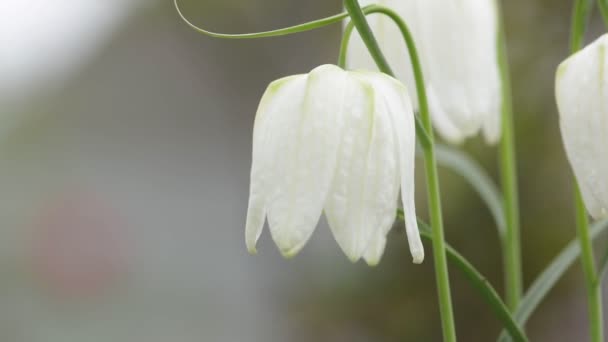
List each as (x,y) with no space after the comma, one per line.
(439,253)
(511,248)
(358,18)
(582,9)
(348,30)
(421,133)
(273,33)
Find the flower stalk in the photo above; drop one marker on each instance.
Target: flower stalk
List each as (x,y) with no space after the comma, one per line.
(603,4)
(580,17)
(439,253)
(508,171)
(594,293)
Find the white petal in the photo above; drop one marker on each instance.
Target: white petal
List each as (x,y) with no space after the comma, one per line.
(492,125)
(442,121)
(385,193)
(581,93)
(306,158)
(273,112)
(403,125)
(461,59)
(365,187)
(401,117)
(375,249)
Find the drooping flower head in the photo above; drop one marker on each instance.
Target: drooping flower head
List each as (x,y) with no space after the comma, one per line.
(581,90)
(457,45)
(335,141)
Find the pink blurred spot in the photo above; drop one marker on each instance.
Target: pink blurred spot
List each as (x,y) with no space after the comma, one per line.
(77,247)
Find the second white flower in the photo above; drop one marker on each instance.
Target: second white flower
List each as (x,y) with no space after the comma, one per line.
(457,41)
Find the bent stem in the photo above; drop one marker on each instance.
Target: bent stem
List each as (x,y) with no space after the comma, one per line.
(439,247)
(511,248)
(580,17)
(421,134)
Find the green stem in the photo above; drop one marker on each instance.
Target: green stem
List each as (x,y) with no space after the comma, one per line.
(348,30)
(439,253)
(594,293)
(603,4)
(580,17)
(358,18)
(508,166)
(441,269)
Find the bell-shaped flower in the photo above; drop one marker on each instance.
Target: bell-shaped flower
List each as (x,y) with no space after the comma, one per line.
(581,90)
(457,44)
(335,141)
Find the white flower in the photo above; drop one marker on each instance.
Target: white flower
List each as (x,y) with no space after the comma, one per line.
(457,44)
(337,141)
(581,90)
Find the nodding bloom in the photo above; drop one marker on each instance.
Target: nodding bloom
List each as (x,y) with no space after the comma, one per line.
(336,141)
(457,44)
(581,90)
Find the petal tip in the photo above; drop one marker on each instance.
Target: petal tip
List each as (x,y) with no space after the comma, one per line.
(418,256)
(289,253)
(492,139)
(372,262)
(599,214)
(353,258)
(252,250)
(251,243)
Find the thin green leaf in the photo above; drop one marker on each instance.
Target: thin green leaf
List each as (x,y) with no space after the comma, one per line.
(474,174)
(480,283)
(311,25)
(603,267)
(549,277)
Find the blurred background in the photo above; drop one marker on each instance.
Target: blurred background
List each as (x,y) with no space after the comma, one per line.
(125,144)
